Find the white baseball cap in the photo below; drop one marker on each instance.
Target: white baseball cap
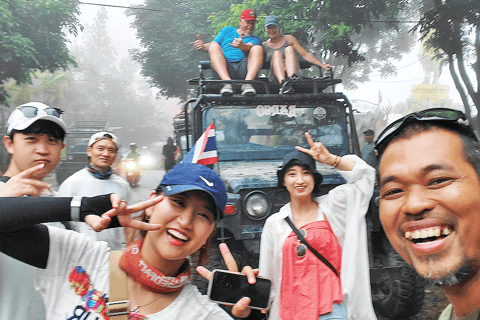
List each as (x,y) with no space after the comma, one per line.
(104,135)
(25,115)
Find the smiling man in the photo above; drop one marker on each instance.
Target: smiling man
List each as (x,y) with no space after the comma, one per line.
(235,53)
(430,202)
(96,179)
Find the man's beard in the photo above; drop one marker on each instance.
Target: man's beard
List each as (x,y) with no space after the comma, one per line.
(462,274)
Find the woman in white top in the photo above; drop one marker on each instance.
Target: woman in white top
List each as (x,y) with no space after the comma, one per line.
(304,287)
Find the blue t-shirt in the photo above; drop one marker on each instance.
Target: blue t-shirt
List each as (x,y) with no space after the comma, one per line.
(226,36)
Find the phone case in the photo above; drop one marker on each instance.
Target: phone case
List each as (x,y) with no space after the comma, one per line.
(227,287)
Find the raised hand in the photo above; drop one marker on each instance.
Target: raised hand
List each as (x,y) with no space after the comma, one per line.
(327,66)
(198,43)
(123,212)
(23,184)
(318,151)
(240,309)
(238,42)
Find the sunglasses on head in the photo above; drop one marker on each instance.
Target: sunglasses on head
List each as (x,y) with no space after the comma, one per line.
(105,136)
(301,248)
(31,112)
(434,114)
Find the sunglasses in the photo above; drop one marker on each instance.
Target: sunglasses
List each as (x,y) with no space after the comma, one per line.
(301,248)
(31,112)
(105,136)
(434,114)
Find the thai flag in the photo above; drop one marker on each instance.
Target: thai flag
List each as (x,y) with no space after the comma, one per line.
(205,149)
(177,155)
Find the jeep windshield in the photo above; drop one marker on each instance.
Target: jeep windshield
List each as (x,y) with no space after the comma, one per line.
(270,131)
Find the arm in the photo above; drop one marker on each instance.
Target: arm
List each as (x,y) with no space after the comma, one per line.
(21,234)
(200,45)
(23,237)
(321,154)
(305,55)
(239,44)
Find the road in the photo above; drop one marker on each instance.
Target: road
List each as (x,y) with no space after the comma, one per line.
(149,181)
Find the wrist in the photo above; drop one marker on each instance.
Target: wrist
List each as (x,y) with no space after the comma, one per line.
(75,208)
(336,161)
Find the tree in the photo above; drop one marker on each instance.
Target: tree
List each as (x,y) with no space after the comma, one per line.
(100,88)
(452,29)
(168,57)
(341,32)
(103,88)
(33,36)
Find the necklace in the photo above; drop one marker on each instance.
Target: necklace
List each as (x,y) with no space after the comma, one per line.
(136,309)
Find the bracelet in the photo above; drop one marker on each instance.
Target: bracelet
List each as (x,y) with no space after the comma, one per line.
(337,162)
(75,208)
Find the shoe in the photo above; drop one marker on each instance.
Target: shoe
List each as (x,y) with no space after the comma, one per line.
(227,90)
(287,89)
(294,77)
(248,90)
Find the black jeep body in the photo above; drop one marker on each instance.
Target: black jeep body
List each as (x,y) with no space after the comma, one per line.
(253,133)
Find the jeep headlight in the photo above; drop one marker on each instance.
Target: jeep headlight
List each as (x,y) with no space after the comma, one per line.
(256,205)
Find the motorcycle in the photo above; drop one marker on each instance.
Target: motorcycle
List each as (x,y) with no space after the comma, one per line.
(132,170)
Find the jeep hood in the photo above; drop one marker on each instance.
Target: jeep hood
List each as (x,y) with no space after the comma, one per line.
(238,175)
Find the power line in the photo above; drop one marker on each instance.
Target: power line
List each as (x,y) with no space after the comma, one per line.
(214,14)
(144,9)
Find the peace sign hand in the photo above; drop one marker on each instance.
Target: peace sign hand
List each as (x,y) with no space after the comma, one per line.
(25,184)
(318,151)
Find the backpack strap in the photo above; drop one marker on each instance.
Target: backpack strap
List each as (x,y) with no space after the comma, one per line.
(118,302)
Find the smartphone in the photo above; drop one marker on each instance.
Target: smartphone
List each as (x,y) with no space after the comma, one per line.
(228,287)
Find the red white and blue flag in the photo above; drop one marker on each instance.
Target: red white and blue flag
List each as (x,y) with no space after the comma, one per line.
(177,155)
(205,149)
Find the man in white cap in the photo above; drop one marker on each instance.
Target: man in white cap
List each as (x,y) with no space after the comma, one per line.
(35,135)
(98,178)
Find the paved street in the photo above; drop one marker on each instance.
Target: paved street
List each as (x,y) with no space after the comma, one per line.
(148,182)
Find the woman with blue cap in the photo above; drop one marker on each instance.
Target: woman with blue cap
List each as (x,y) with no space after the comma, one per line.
(281,52)
(79,278)
(314,250)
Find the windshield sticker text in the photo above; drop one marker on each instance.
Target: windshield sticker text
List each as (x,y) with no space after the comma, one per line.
(265,110)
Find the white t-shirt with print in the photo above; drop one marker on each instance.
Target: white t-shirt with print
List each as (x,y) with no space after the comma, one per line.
(75,283)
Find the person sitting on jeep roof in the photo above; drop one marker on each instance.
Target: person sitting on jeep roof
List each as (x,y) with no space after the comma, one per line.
(303,285)
(235,53)
(281,52)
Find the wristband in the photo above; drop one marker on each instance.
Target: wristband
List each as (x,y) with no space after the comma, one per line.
(337,162)
(75,208)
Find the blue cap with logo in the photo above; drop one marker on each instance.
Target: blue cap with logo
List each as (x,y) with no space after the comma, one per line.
(185,177)
(271,21)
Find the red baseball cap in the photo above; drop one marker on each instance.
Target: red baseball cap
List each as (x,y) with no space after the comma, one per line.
(248,14)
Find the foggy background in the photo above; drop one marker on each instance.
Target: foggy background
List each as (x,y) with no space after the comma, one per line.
(107,84)
(387,93)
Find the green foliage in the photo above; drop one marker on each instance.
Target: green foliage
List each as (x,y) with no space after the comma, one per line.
(451,29)
(33,36)
(100,88)
(339,32)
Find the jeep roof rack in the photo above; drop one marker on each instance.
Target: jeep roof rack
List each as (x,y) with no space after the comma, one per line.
(262,84)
